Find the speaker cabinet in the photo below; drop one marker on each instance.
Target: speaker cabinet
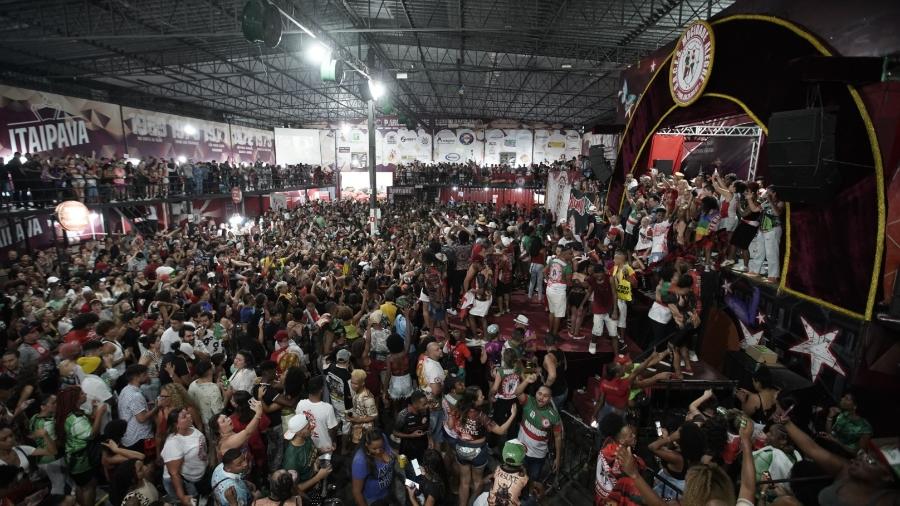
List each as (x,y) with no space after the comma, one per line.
(801,155)
(599,164)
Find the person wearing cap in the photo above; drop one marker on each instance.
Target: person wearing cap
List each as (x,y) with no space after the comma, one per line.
(300,454)
(338,392)
(558,274)
(510,480)
(490,352)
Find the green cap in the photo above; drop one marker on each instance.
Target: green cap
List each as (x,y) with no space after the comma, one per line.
(513,453)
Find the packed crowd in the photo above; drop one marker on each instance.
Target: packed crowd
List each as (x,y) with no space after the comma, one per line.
(473,173)
(277,365)
(40,180)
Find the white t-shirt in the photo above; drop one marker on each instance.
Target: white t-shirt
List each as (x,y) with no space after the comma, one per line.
(660,231)
(321,418)
(433,372)
(168,337)
(242,380)
(23,452)
(190,448)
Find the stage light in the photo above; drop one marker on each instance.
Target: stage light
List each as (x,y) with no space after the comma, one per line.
(134,161)
(486,188)
(236,220)
(454,188)
(182,159)
(22,159)
(318,53)
(376,89)
(189,129)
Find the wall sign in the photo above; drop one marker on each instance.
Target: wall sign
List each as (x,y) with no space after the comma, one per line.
(692,63)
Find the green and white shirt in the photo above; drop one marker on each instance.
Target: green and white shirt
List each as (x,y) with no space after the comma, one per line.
(536,427)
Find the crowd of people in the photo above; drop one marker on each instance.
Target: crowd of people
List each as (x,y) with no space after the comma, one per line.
(197,366)
(41,180)
(447,173)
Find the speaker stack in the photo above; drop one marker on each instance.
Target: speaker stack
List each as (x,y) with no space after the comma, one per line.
(801,155)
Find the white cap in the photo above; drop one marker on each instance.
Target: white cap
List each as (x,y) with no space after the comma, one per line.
(493,329)
(506,241)
(521,320)
(52,279)
(187,349)
(295,424)
(210,275)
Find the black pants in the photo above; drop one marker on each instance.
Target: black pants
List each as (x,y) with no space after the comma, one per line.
(455,279)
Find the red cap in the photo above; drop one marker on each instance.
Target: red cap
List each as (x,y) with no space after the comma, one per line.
(281,335)
(623,359)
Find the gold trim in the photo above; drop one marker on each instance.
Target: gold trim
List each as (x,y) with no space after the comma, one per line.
(712,60)
(876,155)
(744,106)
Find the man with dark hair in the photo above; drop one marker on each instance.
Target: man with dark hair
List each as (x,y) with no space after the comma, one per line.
(320,415)
(133,409)
(411,426)
(228,484)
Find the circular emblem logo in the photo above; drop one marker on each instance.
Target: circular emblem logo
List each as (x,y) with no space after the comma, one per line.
(466,138)
(546,423)
(692,63)
(520,181)
(451,157)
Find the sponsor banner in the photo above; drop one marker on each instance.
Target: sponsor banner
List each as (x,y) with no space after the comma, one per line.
(252,144)
(352,142)
(37,122)
(328,148)
(559,189)
(406,146)
(459,145)
(162,135)
(555,145)
(508,147)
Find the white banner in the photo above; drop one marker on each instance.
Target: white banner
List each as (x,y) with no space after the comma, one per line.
(559,189)
(252,144)
(278,201)
(508,146)
(296,145)
(353,148)
(459,146)
(328,148)
(555,145)
(405,146)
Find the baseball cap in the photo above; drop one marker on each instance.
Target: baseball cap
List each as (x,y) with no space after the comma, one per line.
(513,452)
(146,325)
(343,355)
(493,329)
(187,349)
(28,328)
(52,280)
(88,364)
(295,424)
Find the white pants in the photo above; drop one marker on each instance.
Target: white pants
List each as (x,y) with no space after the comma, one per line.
(612,327)
(767,247)
(556,303)
(623,312)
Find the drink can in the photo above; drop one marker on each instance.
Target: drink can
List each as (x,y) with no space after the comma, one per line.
(402,460)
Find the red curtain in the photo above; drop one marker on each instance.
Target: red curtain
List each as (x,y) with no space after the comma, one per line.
(513,196)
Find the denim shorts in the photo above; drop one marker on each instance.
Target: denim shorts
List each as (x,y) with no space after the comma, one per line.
(475,456)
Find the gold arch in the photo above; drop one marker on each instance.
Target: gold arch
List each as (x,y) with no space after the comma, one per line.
(873,142)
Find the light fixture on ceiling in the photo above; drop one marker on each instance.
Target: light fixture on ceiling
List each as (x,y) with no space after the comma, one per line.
(566,65)
(376,88)
(402,75)
(189,129)
(318,53)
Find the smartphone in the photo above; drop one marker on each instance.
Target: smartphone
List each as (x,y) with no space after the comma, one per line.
(416,468)
(658,429)
(594,424)
(411,484)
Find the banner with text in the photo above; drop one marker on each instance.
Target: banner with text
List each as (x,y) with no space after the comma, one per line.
(555,145)
(252,144)
(34,121)
(149,133)
(459,145)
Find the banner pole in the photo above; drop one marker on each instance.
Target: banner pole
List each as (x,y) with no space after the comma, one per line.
(373,204)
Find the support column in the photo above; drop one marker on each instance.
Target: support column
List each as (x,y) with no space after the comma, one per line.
(373,196)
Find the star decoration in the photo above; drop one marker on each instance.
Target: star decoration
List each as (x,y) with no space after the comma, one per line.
(726,286)
(750,338)
(761,318)
(818,347)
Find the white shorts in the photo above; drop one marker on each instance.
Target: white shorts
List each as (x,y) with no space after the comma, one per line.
(623,312)
(611,327)
(556,302)
(423,297)
(481,307)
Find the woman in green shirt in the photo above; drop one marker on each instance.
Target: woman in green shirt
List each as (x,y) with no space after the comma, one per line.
(79,428)
(45,420)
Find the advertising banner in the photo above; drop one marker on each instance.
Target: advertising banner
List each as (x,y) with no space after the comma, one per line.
(252,144)
(352,142)
(161,135)
(37,122)
(327,148)
(405,146)
(298,145)
(508,146)
(459,145)
(556,145)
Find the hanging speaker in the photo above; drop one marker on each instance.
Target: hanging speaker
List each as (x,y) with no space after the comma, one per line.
(272,27)
(261,22)
(332,71)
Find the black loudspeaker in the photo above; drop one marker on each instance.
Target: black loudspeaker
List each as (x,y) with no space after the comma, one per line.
(801,155)
(599,163)
(261,22)
(664,166)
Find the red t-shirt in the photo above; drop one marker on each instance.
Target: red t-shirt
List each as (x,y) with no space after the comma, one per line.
(616,392)
(603,299)
(255,443)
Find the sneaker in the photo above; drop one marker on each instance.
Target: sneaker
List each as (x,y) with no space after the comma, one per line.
(452,311)
(726,263)
(592,349)
(694,357)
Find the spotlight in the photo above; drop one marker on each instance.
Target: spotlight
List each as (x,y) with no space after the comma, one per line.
(376,89)
(22,159)
(189,129)
(454,188)
(487,188)
(236,220)
(182,159)
(318,53)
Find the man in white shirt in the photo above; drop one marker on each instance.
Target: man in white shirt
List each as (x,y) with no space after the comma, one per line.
(134,410)
(172,334)
(322,419)
(431,381)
